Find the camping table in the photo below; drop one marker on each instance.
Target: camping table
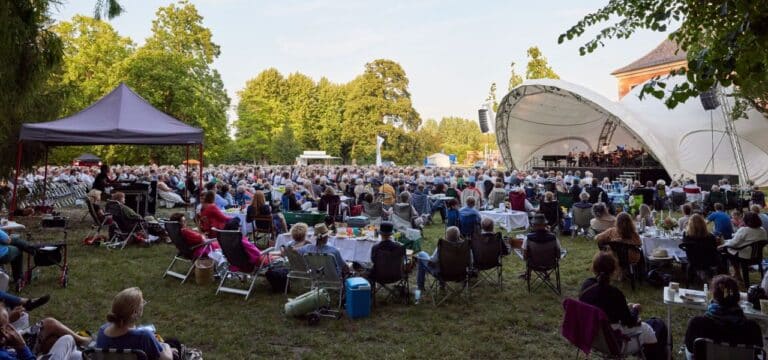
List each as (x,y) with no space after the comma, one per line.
(510,219)
(351,249)
(652,241)
(12,226)
(676,301)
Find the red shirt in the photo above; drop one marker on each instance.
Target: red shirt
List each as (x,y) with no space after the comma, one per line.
(212,217)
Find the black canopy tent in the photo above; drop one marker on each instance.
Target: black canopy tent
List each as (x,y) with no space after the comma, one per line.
(122,117)
(88,158)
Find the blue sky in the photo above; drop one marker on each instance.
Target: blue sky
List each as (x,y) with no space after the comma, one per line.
(451,50)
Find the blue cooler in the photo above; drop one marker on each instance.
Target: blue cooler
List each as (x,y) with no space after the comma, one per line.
(358,292)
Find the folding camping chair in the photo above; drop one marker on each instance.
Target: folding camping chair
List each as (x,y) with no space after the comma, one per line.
(185,254)
(121,230)
(232,247)
(421,203)
(389,273)
(263,227)
(543,260)
(298,268)
(621,250)
(113,354)
(98,224)
(581,221)
(486,259)
(322,270)
(706,349)
(454,260)
(606,343)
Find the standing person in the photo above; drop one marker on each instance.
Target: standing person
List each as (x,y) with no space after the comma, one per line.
(102,179)
(120,331)
(452,213)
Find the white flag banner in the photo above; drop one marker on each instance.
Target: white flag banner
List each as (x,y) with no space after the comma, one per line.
(379,141)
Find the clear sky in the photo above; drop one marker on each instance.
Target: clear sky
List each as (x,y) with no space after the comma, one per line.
(451,50)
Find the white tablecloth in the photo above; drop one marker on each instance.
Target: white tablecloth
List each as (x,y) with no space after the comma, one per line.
(508,220)
(652,241)
(351,249)
(12,226)
(246,228)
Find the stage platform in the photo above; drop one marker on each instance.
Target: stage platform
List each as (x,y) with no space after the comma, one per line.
(643,173)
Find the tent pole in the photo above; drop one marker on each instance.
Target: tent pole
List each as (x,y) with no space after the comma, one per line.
(200,187)
(16,180)
(45,176)
(186,190)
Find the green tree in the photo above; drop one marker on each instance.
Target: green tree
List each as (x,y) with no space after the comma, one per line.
(92,52)
(537,67)
(302,105)
(726,42)
(514,78)
(284,147)
(459,136)
(260,114)
(187,87)
(179,28)
(31,52)
(331,106)
(378,102)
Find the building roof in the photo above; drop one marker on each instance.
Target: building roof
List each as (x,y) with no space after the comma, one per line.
(667,52)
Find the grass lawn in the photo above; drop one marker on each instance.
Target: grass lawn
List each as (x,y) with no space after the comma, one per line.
(497,324)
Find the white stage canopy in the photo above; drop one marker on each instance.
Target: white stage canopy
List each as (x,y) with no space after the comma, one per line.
(553,117)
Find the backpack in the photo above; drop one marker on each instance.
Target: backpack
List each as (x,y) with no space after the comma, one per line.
(277,278)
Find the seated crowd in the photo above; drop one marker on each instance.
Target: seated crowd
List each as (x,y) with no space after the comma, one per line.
(399,199)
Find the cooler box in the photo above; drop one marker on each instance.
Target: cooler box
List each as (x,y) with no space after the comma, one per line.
(358,221)
(358,292)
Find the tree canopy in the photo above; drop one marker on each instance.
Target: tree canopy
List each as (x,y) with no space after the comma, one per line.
(537,67)
(726,42)
(341,119)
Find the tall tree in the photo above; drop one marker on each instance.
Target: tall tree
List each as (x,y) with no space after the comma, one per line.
(726,42)
(459,136)
(187,87)
(179,28)
(284,149)
(514,78)
(260,114)
(31,52)
(378,102)
(301,101)
(331,106)
(537,67)
(92,52)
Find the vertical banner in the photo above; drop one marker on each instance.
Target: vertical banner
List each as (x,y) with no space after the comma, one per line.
(379,141)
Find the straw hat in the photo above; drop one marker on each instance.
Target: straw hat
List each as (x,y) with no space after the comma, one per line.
(321,230)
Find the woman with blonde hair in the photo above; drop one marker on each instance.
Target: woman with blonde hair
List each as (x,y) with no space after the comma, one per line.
(121,333)
(645,217)
(298,236)
(624,231)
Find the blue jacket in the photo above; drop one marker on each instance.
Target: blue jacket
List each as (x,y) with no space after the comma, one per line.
(469,219)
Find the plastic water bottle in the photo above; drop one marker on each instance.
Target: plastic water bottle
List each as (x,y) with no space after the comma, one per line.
(416,296)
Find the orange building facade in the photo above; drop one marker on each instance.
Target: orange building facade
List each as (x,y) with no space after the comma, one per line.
(659,62)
